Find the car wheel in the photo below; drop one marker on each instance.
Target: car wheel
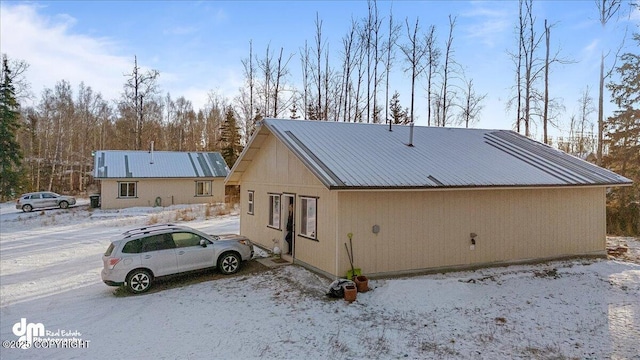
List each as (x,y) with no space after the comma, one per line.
(64,204)
(139,281)
(229,263)
(27,208)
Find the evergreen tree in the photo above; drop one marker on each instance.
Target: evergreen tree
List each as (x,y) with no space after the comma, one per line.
(294,112)
(398,115)
(623,138)
(312,112)
(230,138)
(10,153)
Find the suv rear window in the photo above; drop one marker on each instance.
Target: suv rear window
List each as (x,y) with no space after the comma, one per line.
(132,247)
(109,250)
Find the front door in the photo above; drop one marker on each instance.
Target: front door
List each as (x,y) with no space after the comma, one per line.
(288,209)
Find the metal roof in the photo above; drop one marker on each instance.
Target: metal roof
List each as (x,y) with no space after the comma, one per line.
(109,164)
(354,155)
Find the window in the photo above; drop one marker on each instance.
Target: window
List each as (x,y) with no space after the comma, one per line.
(185,239)
(157,242)
(308,217)
(132,247)
(250,202)
(127,189)
(203,188)
(274,211)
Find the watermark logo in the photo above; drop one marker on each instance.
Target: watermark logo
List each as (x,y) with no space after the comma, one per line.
(26,332)
(34,335)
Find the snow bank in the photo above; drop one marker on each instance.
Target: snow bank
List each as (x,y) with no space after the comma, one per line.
(49,274)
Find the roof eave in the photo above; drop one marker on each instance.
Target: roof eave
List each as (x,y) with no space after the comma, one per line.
(310,166)
(158,177)
(234,175)
(480,187)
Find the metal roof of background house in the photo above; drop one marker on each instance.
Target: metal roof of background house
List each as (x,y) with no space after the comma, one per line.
(109,164)
(354,155)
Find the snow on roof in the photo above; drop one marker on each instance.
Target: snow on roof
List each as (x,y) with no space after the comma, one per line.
(355,155)
(158,164)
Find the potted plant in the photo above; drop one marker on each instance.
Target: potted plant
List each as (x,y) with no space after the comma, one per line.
(350,292)
(362,283)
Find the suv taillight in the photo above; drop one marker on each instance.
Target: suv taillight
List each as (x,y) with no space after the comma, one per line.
(112,262)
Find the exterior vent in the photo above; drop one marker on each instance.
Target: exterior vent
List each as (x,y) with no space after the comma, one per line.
(151,152)
(410,144)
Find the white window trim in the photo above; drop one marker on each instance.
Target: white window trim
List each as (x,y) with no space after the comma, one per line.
(128,196)
(304,221)
(204,182)
(273,210)
(251,196)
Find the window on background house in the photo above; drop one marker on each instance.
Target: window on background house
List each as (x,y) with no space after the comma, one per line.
(274,211)
(127,189)
(203,188)
(250,202)
(308,219)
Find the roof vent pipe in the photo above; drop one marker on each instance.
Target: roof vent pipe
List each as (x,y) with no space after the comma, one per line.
(410,144)
(151,152)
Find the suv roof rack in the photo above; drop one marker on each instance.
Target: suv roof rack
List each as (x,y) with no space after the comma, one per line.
(150,228)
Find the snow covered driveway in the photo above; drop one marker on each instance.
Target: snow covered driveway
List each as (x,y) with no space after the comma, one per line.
(49,274)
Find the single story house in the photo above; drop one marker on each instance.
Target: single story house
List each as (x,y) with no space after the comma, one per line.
(159,178)
(415,199)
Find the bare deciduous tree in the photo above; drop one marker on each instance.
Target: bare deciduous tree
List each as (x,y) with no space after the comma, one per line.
(350,45)
(585,144)
(414,51)
(305,59)
(607,10)
(447,72)
(138,90)
(281,72)
(433,59)
(529,68)
(389,46)
(249,74)
(320,46)
(471,104)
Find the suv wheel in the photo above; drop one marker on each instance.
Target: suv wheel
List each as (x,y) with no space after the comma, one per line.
(64,204)
(27,208)
(139,281)
(229,263)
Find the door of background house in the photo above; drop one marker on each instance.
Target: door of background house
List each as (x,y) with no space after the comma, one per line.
(288,204)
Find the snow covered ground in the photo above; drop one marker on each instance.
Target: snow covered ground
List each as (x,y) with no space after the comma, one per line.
(50,274)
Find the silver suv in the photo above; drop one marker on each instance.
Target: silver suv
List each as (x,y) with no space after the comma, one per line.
(140,255)
(43,199)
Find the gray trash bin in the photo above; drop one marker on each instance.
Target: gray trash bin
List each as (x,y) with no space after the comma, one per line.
(95,200)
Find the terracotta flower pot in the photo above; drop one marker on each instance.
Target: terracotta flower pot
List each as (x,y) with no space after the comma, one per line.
(362,283)
(350,293)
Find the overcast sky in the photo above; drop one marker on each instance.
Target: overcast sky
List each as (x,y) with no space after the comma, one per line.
(198,46)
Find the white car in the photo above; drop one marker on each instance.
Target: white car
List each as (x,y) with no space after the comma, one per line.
(43,200)
(140,255)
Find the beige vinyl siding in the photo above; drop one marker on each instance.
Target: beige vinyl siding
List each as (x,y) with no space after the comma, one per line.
(419,229)
(276,170)
(431,229)
(170,191)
